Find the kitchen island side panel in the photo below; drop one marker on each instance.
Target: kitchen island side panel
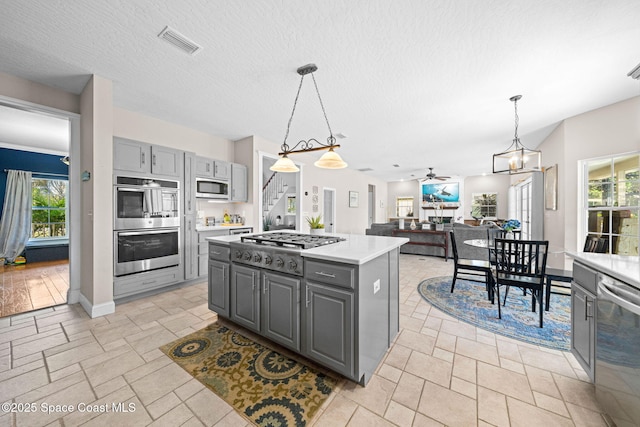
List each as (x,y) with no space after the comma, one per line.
(394,295)
(373,315)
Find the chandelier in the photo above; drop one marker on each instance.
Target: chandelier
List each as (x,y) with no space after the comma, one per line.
(330,159)
(517,158)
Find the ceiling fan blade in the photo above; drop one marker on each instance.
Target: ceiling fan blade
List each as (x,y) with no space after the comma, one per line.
(442,178)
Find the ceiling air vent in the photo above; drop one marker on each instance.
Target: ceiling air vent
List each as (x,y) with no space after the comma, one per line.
(364,170)
(180,41)
(635,73)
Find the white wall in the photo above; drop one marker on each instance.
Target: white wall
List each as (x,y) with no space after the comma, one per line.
(494,183)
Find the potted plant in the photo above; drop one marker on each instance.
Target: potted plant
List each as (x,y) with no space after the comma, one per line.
(315,224)
(267,220)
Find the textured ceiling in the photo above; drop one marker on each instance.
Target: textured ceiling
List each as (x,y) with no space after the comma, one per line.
(415,83)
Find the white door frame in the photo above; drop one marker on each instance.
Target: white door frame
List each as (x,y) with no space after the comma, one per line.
(332,192)
(75,206)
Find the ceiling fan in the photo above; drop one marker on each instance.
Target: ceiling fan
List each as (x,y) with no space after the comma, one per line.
(431,175)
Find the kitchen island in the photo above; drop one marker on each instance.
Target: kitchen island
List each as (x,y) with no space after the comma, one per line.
(337,304)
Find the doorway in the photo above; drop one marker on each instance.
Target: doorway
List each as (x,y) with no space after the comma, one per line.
(371,205)
(279,201)
(329,209)
(40,283)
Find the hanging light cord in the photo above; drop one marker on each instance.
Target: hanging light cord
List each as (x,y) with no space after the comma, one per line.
(515,136)
(322,106)
(285,147)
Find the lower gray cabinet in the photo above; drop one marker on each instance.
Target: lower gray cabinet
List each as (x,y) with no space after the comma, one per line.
(219,287)
(583,320)
(329,323)
(281,309)
(245,297)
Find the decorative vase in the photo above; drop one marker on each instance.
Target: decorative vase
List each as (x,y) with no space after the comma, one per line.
(401,223)
(413,224)
(317,231)
(509,235)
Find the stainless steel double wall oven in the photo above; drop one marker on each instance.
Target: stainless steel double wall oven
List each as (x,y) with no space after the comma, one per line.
(146,228)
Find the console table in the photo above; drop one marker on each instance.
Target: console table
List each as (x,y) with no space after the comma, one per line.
(439,238)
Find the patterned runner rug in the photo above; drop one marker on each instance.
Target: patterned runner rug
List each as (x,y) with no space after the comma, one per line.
(264,386)
(469,303)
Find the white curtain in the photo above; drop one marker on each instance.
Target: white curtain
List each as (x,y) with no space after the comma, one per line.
(15,225)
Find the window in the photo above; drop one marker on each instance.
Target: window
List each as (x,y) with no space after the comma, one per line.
(484,205)
(404,206)
(612,187)
(49,208)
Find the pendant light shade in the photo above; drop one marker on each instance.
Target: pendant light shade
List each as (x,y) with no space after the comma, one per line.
(284,164)
(517,158)
(331,159)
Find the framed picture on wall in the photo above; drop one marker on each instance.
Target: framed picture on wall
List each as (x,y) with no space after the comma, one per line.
(551,188)
(353,199)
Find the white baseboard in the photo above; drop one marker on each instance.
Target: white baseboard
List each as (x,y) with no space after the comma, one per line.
(97,310)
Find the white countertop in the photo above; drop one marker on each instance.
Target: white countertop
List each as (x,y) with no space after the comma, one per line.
(219,227)
(356,249)
(624,268)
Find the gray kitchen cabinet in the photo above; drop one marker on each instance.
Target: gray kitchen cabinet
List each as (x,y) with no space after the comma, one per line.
(143,158)
(131,155)
(329,324)
(210,168)
(141,282)
(219,279)
(219,287)
(239,191)
(203,249)
(165,161)
(189,183)
(245,296)
(281,309)
(190,251)
(583,320)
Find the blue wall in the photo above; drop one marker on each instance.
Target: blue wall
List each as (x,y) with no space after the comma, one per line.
(27,161)
(34,162)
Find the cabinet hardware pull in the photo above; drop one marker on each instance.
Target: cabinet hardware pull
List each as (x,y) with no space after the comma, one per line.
(208,167)
(148,282)
(216,253)
(143,158)
(189,204)
(586,308)
(322,273)
(153,160)
(264,285)
(306,297)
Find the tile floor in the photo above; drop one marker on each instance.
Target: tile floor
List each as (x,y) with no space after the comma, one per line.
(438,372)
(32,286)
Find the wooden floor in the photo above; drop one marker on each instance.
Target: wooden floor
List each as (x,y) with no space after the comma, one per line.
(33,286)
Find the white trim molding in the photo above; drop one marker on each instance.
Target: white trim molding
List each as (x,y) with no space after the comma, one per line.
(97,310)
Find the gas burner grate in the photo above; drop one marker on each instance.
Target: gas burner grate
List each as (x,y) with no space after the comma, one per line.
(302,241)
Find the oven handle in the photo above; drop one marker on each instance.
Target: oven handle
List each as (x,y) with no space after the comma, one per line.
(617,293)
(139,233)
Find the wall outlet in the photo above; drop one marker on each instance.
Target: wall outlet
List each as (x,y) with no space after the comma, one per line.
(376,286)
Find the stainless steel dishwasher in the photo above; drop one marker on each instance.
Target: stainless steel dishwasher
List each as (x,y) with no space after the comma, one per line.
(618,350)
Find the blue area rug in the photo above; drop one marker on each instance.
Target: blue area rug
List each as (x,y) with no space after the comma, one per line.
(469,303)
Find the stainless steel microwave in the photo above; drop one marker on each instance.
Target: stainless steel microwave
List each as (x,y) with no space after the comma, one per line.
(207,188)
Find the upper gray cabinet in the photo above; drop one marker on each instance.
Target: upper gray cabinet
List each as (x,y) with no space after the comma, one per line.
(136,156)
(239,191)
(210,168)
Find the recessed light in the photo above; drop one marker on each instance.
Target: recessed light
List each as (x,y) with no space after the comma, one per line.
(340,135)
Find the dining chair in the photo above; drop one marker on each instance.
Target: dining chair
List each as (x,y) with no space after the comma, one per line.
(521,263)
(596,244)
(471,267)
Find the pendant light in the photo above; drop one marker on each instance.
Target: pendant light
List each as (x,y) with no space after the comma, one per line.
(517,158)
(329,160)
